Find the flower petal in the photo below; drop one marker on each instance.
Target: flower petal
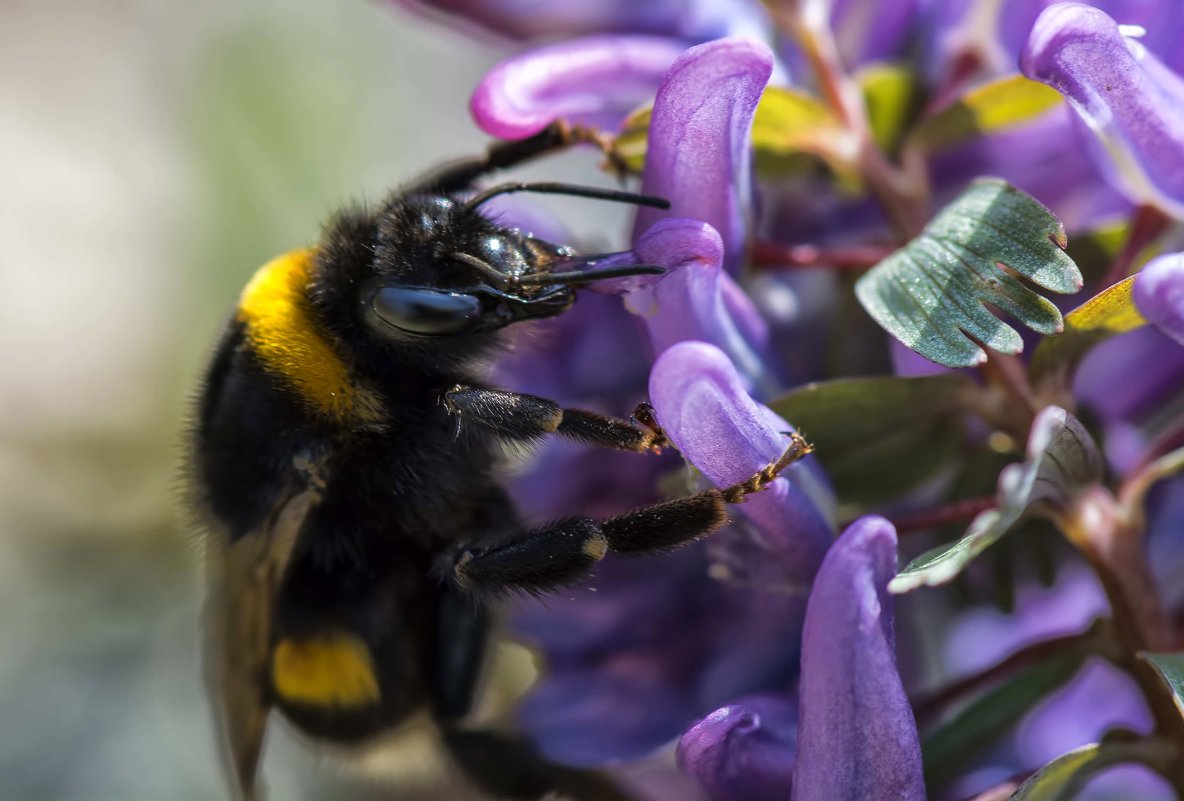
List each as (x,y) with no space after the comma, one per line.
(698,154)
(697,300)
(1130,382)
(1125,94)
(744,751)
(857,737)
(587,716)
(703,405)
(596,81)
(530,19)
(1159,294)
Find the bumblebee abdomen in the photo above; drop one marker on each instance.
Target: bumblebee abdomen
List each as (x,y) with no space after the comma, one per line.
(330,684)
(347,655)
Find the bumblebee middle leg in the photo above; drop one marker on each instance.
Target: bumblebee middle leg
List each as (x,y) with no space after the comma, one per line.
(563,552)
(516,416)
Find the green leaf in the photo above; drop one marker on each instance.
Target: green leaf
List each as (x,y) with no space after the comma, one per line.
(1170,668)
(1111,311)
(1058,778)
(629,146)
(889,94)
(1061,461)
(997,106)
(1064,777)
(949,747)
(788,123)
(933,289)
(878,437)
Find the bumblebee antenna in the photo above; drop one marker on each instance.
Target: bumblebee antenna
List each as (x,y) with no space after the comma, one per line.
(546,279)
(494,274)
(575,190)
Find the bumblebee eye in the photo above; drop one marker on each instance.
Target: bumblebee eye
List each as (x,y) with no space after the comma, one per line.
(427,312)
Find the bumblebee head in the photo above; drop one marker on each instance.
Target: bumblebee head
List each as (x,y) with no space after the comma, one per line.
(444,270)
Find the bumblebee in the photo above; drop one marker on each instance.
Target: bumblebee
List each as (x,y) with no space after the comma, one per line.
(345,459)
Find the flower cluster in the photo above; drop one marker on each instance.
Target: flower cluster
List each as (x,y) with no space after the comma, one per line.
(798,174)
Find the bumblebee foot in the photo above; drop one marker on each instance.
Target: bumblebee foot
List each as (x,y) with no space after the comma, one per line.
(656,439)
(796,450)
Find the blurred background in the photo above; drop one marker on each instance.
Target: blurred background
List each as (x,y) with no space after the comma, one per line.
(153,155)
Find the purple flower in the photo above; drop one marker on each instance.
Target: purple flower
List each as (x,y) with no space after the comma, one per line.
(804,682)
(696,299)
(698,154)
(1159,294)
(702,403)
(693,20)
(603,657)
(855,737)
(1124,94)
(744,751)
(595,81)
(1129,382)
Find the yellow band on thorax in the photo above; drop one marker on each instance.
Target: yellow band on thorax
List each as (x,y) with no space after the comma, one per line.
(280,326)
(333,669)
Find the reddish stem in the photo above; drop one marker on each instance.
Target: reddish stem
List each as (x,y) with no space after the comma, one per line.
(965,66)
(770,254)
(957,511)
(1147,224)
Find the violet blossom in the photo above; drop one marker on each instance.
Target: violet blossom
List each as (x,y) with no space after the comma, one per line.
(768,651)
(1122,91)
(698,301)
(849,734)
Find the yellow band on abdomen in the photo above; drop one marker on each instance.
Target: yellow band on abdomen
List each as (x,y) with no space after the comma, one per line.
(333,669)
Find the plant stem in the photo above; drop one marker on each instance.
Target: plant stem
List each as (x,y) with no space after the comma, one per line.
(1013,405)
(1113,543)
(1134,489)
(1147,224)
(965,509)
(769,254)
(903,193)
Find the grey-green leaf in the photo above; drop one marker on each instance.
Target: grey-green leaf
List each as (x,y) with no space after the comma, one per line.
(930,293)
(1061,461)
(1170,668)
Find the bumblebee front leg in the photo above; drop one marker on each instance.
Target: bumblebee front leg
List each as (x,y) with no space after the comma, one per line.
(460,175)
(565,551)
(515,416)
